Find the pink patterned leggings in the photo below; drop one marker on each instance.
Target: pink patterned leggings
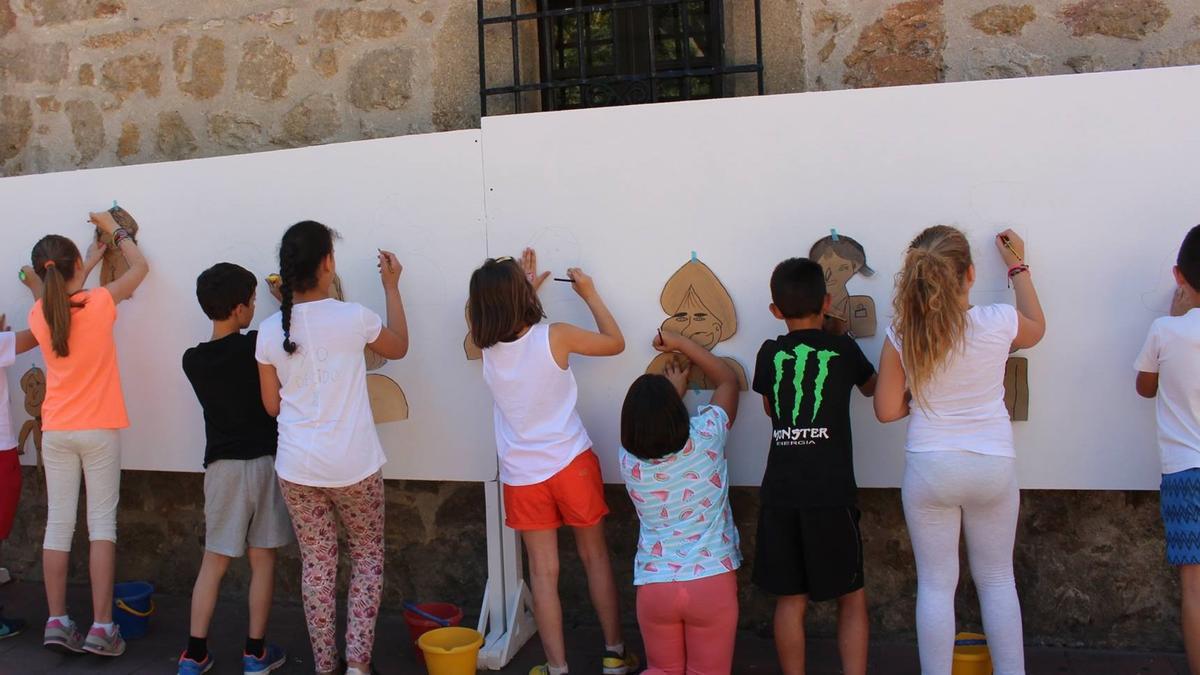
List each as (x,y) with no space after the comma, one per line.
(315,512)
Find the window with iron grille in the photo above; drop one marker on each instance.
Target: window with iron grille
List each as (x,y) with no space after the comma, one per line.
(593,53)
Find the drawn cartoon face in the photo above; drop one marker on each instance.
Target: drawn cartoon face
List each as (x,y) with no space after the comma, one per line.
(698,306)
(693,319)
(33,383)
(838,270)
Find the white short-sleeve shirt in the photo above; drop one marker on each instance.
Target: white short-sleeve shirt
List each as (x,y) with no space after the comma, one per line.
(962,407)
(327,434)
(1172,350)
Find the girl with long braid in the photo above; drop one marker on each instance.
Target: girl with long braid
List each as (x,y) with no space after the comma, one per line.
(81,415)
(329,460)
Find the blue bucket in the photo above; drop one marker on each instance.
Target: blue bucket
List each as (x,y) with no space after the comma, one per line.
(132,607)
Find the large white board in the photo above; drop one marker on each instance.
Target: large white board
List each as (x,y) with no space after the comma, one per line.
(420,196)
(1098,172)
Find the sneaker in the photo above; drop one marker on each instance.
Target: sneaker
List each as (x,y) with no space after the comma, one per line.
(11,627)
(543,669)
(615,664)
(63,637)
(189,667)
(102,643)
(272,657)
(5,577)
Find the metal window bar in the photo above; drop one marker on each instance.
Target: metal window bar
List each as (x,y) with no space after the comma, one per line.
(587,80)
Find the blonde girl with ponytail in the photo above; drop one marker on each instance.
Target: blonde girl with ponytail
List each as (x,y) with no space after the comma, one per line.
(81,415)
(943,367)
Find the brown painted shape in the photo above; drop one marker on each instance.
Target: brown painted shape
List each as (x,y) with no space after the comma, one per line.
(388,402)
(33,383)
(373,360)
(842,259)
(113,264)
(699,307)
(1016,388)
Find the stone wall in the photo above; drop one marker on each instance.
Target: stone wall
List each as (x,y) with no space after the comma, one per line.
(91,83)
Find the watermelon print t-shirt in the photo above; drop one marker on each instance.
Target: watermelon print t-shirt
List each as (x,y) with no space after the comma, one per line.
(682,501)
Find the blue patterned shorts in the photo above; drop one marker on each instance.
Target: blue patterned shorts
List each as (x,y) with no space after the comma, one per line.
(1180,506)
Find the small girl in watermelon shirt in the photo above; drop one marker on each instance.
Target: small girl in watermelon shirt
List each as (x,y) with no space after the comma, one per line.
(676,474)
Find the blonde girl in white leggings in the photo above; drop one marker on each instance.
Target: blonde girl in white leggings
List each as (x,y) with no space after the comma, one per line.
(943,366)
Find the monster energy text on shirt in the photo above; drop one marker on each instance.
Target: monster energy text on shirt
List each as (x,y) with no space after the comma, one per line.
(807,378)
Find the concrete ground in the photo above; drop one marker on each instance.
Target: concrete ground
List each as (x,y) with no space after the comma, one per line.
(158,651)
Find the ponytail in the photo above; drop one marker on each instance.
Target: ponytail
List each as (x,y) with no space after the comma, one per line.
(54,258)
(305,245)
(931,321)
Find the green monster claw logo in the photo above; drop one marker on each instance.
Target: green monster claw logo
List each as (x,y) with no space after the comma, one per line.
(800,354)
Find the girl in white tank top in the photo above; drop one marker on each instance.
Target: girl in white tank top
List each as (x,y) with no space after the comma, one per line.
(550,475)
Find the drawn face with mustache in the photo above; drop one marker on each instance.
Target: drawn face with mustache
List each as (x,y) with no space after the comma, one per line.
(693,320)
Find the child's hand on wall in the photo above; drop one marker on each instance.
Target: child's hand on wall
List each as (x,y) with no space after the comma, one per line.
(273,283)
(31,281)
(678,375)
(584,286)
(1011,247)
(668,341)
(389,269)
(95,254)
(103,220)
(529,265)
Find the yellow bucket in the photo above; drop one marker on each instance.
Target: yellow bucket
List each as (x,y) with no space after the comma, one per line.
(451,651)
(971,655)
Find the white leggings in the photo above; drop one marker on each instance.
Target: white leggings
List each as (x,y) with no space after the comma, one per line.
(96,454)
(941,491)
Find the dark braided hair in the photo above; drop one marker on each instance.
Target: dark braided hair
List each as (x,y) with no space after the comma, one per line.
(304,246)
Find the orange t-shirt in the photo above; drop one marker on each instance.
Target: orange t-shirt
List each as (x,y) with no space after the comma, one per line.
(83,390)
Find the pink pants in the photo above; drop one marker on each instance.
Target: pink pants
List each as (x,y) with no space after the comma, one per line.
(689,626)
(315,512)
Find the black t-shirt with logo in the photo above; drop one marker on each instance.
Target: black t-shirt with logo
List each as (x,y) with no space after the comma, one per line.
(224,375)
(807,377)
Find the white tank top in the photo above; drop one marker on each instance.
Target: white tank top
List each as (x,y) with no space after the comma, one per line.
(538,431)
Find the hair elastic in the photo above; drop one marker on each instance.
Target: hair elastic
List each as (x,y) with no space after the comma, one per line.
(48,264)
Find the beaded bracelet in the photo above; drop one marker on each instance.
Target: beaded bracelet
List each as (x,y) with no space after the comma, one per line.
(119,235)
(1015,270)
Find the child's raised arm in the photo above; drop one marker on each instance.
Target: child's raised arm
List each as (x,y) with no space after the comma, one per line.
(891,392)
(122,287)
(727,390)
(392,342)
(1031,322)
(269,386)
(566,339)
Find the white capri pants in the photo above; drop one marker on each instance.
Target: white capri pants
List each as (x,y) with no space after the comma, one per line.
(96,454)
(943,492)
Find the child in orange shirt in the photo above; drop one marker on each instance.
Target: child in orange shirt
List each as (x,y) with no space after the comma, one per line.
(81,416)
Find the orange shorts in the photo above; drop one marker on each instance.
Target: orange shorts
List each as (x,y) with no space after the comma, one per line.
(573,496)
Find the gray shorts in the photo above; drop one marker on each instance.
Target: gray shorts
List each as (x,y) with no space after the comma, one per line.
(244,507)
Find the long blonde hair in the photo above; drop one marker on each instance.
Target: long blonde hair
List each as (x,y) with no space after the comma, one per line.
(931,322)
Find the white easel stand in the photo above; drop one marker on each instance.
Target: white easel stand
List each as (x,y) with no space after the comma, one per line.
(506,618)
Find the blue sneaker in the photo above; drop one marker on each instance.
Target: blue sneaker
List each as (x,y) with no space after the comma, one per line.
(273,657)
(190,667)
(11,627)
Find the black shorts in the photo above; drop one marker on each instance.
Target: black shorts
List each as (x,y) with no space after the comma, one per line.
(809,551)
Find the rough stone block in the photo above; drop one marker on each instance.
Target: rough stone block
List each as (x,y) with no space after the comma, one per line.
(1128,19)
(87,128)
(127,75)
(351,24)
(903,47)
(265,69)
(54,12)
(382,79)
(1003,19)
(313,120)
(174,140)
(16,122)
(204,68)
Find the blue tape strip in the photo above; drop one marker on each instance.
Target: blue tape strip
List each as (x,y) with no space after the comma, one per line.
(694,256)
(833,233)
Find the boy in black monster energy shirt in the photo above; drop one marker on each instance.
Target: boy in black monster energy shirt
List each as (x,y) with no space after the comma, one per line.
(809,545)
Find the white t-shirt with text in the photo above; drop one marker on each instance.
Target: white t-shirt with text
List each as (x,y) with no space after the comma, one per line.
(327,434)
(962,406)
(1172,350)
